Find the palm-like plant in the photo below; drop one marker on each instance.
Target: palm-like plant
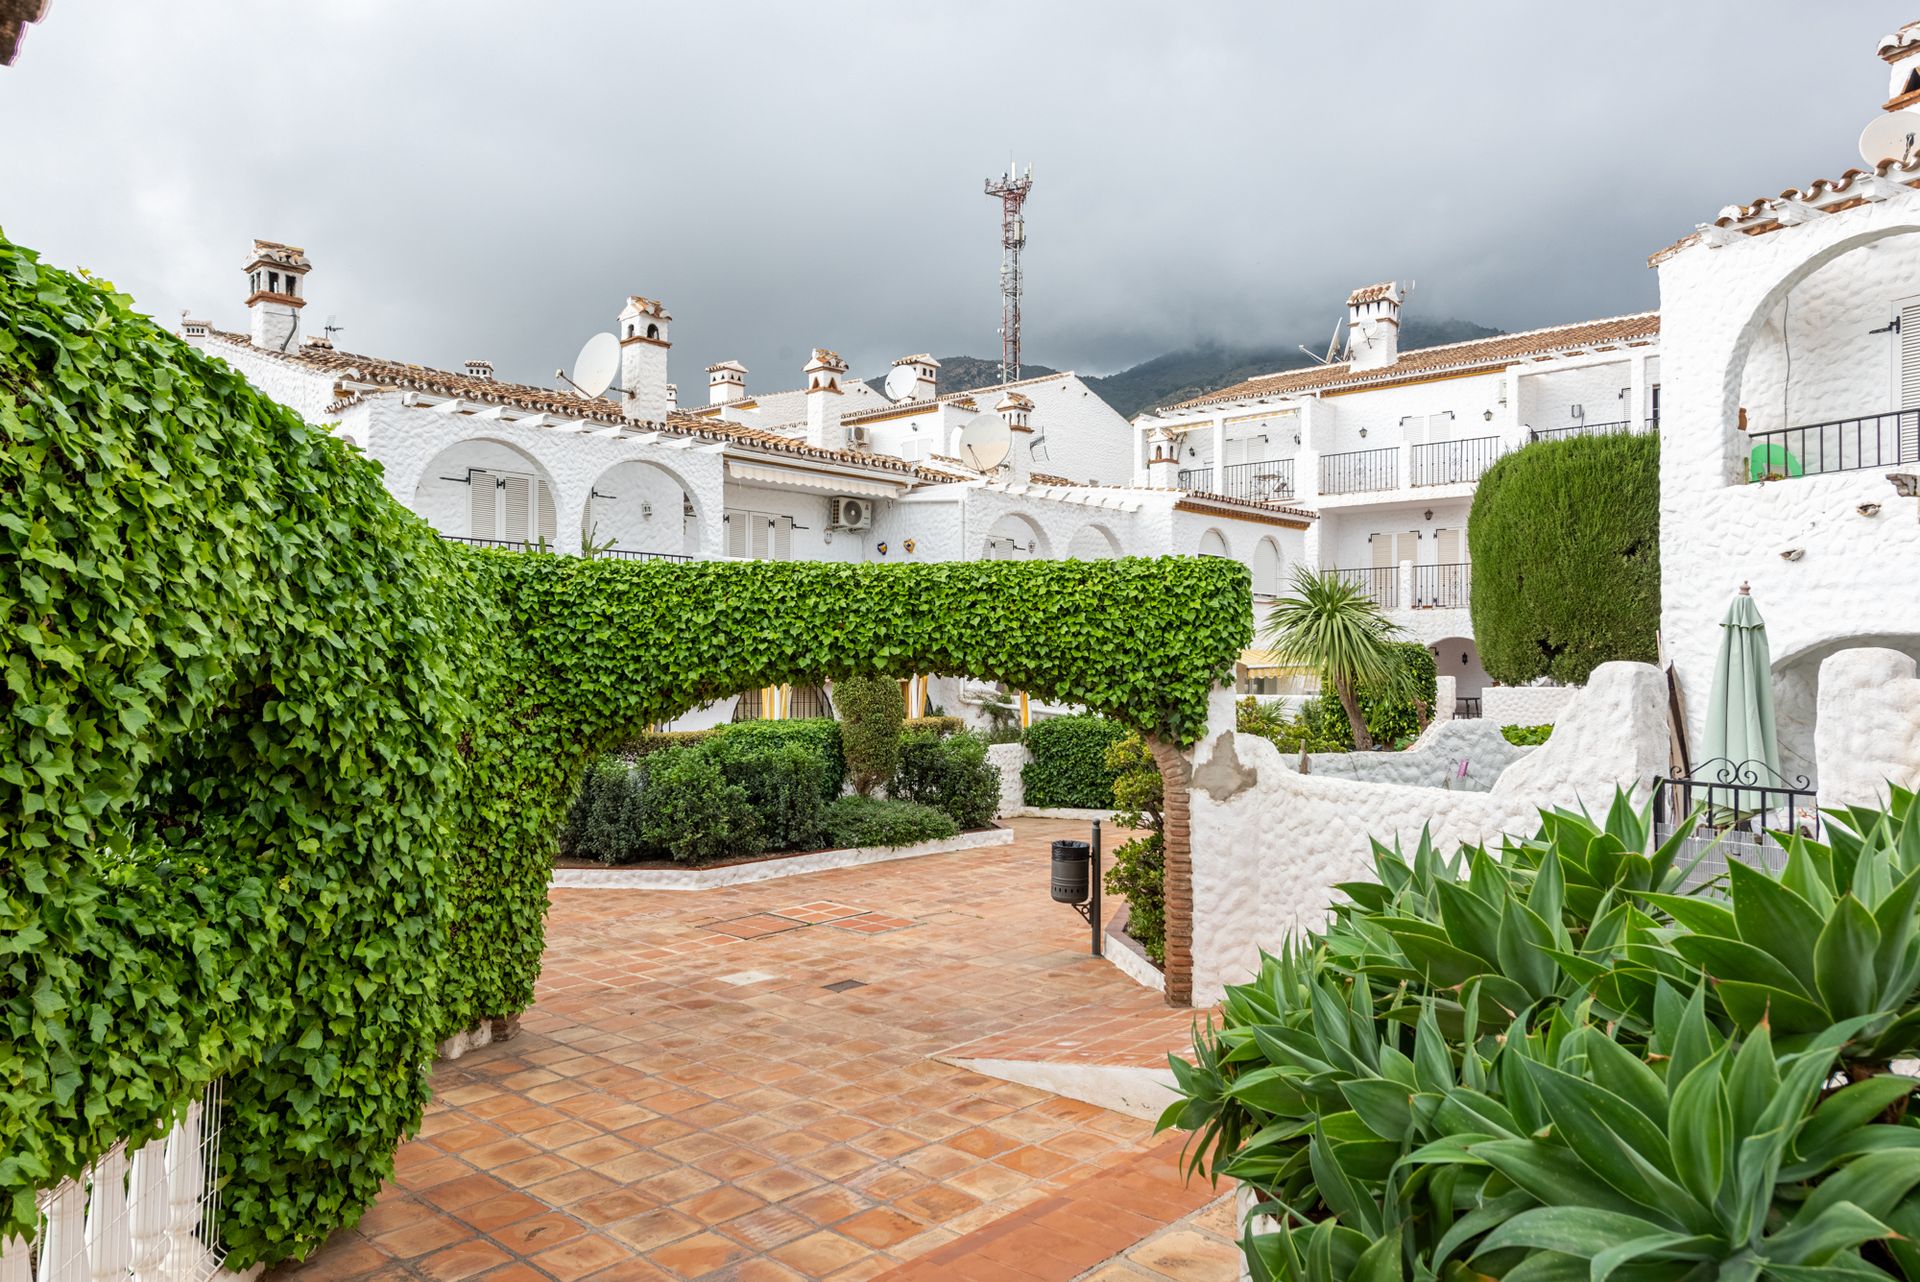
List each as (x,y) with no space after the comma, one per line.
(1333,627)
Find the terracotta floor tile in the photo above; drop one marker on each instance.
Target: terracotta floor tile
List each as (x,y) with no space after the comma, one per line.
(699,1255)
(653,1228)
(618,1204)
(677,1184)
(572,1187)
(538,1232)
(777,1183)
(880,1228)
(717,1206)
(632,1269)
(582,1257)
(530,1171)
(464,1191)
(457,1263)
(828,1204)
(1186,1256)
(497,1212)
(594,1152)
(768,1227)
(353,1258)
(819,1254)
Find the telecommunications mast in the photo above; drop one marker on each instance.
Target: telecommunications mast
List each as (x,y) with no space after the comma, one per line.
(1012,190)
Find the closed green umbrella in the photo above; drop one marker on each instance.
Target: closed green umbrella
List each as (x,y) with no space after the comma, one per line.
(1740,736)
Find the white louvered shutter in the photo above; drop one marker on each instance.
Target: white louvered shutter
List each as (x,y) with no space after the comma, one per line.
(736,534)
(483,513)
(1449,547)
(783,539)
(516,498)
(761,544)
(1910,381)
(546,526)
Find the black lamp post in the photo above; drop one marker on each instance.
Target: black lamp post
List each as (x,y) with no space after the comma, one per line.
(1076,879)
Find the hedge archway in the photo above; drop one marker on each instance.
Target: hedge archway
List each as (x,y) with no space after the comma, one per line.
(285,768)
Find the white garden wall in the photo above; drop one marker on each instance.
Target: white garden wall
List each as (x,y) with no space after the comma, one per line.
(1526,705)
(1869,726)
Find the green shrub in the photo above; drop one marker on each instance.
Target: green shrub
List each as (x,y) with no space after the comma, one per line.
(782,783)
(855,821)
(871,712)
(819,735)
(1550,1064)
(652,741)
(1139,865)
(940,724)
(612,819)
(689,811)
(1069,766)
(952,775)
(1565,542)
(1293,733)
(1394,718)
(1526,736)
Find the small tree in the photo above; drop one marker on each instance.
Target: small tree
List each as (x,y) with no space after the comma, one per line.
(1333,627)
(872,712)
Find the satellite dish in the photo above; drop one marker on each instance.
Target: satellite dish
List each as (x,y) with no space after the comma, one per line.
(900,382)
(985,441)
(1889,136)
(594,367)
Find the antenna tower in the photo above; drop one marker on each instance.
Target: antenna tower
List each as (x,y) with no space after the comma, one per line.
(1012,190)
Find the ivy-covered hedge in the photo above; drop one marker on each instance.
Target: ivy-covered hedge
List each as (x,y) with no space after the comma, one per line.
(1069,767)
(1565,541)
(285,770)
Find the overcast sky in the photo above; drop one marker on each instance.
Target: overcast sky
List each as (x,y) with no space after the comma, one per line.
(492,179)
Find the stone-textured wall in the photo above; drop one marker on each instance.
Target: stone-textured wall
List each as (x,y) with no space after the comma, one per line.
(1433,762)
(1270,844)
(1526,705)
(1869,727)
(1012,758)
(1847,581)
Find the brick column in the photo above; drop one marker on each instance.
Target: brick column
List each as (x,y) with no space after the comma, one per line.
(1175,812)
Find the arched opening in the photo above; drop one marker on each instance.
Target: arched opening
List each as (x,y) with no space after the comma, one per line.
(1267,568)
(1214,543)
(1821,373)
(1459,658)
(1093,543)
(1015,538)
(639,509)
(1796,695)
(783,703)
(488,492)
(653,332)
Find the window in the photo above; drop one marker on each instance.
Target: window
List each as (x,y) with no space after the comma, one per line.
(759,536)
(653,331)
(511,506)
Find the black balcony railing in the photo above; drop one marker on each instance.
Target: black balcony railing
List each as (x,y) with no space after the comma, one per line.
(1262,481)
(1359,471)
(1843,445)
(1196,478)
(536,545)
(1466,707)
(1381,583)
(1454,462)
(1442,587)
(1580,429)
(627,554)
(1746,796)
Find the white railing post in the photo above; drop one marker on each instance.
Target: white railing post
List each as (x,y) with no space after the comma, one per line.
(109,1245)
(63,1254)
(147,1216)
(186,1179)
(16,1260)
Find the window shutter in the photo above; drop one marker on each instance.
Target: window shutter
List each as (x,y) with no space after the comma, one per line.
(517,494)
(483,504)
(1910,356)
(736,534)
(783,539)
(762,536)
(547,518)
(1449,550)
(1381,545)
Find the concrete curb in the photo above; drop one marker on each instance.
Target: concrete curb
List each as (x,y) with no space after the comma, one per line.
(767,869)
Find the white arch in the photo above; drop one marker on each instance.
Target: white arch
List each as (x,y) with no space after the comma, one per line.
(639,505)
(1214,543)
(1015,537)
(1093,542)
(444,493)
(1267,566)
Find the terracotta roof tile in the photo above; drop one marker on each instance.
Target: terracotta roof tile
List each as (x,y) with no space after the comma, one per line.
(1428,362)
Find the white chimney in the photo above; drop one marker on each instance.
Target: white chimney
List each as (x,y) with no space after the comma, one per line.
(926,376)
(275,294)
(726,382)
(1901,50)
(824,373)
(1017,410)
(480,369)
(1163,463)
(1373,325)
(643,360)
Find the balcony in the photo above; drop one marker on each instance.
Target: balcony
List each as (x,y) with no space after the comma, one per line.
(1843,445)
(1379,583)
(1442,587)
(1360,471)
(536,545)
(1454,462)
(1262,482)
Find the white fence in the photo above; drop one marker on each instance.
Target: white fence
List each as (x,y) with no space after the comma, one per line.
(145,1214)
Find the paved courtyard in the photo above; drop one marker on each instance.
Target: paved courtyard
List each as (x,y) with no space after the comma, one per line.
(747,1083)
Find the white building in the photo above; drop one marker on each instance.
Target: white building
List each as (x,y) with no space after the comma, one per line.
(1792,433)
(830,470)
(1388,446)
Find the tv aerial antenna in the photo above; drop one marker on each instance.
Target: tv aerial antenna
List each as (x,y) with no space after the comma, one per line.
(985,441)
(1333,345)
(332,327)
(594,367)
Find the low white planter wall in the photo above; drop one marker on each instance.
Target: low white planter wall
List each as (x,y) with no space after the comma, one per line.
(1526,705)
(1269,844)
(1433,762)
(1125,952)
(768,869)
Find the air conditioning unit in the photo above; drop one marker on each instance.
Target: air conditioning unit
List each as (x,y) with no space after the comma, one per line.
(857,436)
(849,514)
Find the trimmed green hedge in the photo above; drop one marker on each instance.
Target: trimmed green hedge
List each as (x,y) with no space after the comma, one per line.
(872,710)
(951,774)
(286,769)
(1526,736)
(1565,542)
(1069,767)
(854,821)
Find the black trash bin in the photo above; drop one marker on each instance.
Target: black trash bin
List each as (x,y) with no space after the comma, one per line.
(1072,861)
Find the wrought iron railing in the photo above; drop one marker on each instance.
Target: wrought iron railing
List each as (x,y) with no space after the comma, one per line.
(628,554)
(1466,707)
(1442,587)
(1263,481)
(1381,583)
(1359,471)
(1196,478)
(1453,462)
(1580,429)
(1843,445)
(512,545)
(1739,796)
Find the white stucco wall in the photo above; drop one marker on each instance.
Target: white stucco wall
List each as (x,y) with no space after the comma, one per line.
(1435,761)
(1869,726)
(1270,844)
(305,391)
(1526,705)
(1012,759)
(1849,581)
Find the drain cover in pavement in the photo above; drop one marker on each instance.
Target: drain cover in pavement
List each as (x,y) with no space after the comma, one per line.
(846,984)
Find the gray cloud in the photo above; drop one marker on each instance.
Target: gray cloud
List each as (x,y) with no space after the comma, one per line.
(491,178)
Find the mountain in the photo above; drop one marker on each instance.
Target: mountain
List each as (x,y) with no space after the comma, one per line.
(1193,371)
